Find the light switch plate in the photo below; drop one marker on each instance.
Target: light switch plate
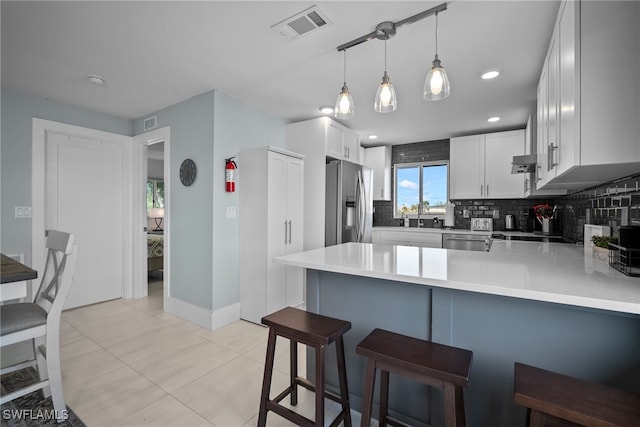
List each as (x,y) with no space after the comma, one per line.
(231,212)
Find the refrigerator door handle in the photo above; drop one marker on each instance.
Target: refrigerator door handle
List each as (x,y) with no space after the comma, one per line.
(361,207)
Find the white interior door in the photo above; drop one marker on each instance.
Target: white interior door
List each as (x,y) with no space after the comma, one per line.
(85,195)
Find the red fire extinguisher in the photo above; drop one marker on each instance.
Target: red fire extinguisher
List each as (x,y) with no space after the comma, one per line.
(229,169)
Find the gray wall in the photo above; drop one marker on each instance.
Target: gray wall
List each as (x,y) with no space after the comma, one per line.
(190,208)
(18,110)
(237,126)
(204,243)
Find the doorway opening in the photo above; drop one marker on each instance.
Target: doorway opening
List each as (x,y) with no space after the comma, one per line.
(155,204)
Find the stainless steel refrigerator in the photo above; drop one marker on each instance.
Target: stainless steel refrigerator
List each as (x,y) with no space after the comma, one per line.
(349,206)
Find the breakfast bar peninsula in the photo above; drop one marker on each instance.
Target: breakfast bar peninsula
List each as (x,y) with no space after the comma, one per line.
(543,304)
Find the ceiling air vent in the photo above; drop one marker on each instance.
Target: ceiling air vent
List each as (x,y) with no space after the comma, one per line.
(302,23)
(150,123)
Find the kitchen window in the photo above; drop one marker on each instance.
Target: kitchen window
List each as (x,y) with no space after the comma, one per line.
(421,188)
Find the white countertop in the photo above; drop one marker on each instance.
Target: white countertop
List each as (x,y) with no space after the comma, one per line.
(552,272)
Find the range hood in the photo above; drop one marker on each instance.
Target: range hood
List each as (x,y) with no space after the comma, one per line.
(523,164)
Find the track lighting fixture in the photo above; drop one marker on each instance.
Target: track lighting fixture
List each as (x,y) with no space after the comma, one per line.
(436,85)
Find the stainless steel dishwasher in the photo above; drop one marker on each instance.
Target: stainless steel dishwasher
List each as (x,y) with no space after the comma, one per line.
(466,242)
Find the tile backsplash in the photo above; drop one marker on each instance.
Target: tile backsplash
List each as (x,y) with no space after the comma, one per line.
(614,204)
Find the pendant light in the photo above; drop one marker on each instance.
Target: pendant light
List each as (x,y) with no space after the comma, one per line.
(344,104)
(385,101)
(436,85)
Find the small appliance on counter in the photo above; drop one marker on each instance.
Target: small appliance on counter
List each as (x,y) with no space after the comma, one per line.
(449,219)
(481,224)
(531,223)
(509,222)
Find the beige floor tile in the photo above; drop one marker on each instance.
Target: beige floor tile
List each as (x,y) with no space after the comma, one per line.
(188,364)
(77,369)
(239,336)
(230,395)
(281,362)
(78,316)
(107,399)
(165,412)
(78,347)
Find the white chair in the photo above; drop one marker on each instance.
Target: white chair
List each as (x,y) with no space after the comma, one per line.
(39,321)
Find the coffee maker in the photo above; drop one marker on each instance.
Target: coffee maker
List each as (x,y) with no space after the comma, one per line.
(531,222)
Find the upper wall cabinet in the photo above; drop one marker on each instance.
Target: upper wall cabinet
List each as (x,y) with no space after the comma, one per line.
(588,99)
(379,160)
(480,166)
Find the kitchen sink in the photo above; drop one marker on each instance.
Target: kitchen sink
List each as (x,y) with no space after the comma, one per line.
(466,242)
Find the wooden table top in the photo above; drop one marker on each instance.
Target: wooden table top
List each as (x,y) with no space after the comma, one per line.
(14,271)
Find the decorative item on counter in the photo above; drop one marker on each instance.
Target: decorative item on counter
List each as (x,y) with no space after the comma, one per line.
(449,215)
(544,215)
(601,246)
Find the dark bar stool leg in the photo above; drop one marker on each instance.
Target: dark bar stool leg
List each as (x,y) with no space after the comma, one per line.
(367,397)
(320,385)
(537,419)
(453,396)
(384,397)
(293,361)
(342,378)
(266,381)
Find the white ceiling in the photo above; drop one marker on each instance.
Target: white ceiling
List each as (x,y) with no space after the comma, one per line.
(156,53)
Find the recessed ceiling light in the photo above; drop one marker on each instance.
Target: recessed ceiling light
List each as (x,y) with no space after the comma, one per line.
(96,80)
(493,119)
(491,74)
(373,136)
(326,109)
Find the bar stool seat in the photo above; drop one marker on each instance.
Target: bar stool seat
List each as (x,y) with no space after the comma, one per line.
(437,365)
(315,331)
(550,396)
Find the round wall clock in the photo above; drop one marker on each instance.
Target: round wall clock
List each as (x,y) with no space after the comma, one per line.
(187,172)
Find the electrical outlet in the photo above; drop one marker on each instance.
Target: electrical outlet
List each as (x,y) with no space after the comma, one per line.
(496,214)
(465,213)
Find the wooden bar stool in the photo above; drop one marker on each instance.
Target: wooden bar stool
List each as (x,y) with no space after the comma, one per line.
(552,397)
(437,365)
(314,331)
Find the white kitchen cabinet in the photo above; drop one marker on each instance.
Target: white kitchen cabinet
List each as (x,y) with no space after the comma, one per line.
(351,146)
(334,140)
(316,139)
(407,237)
(379,160)
(591,131)
(270,190)
(480,166)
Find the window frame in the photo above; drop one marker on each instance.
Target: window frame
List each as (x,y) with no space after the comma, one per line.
(421,165)
(155,182)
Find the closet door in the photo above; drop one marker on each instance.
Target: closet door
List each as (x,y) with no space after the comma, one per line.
(294,212)
(278,230)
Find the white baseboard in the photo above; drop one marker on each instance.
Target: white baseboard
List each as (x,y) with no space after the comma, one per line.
(225,315)
(192,313)
(201,316)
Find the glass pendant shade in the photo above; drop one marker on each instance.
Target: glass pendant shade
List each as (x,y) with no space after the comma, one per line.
(385,101)
(436,85)
(345,108)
